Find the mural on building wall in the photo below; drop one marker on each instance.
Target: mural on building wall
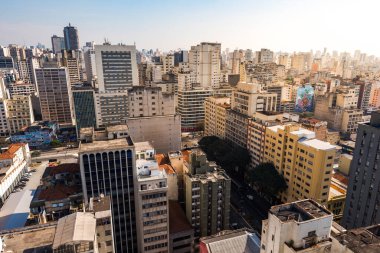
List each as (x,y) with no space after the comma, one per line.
(305,99)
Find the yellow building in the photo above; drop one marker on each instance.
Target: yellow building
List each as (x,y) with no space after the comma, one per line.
(337,196)
(305,162)
(215,116)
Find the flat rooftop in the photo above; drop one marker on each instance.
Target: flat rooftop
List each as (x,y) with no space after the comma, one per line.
(36,239)
(105,145)
(300,211)
(241,240)
(149,170)
(361,240)
(318,144)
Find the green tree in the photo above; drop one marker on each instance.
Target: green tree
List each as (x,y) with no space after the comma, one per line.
(266,179)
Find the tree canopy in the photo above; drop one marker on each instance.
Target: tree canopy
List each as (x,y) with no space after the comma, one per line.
(267,180)
(233,159)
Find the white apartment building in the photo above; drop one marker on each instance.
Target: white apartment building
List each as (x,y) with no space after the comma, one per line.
(168,63)
(204,63)
(151,201)
(14,163)
(303,226)
(248,98)
(264,56)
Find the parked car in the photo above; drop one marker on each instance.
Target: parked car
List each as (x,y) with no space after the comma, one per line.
(33,170)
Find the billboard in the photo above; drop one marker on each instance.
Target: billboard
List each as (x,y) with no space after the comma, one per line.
(305,99)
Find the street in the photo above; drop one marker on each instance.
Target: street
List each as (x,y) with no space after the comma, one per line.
(15,210)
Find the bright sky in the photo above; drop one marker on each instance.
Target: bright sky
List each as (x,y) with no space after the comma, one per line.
(280,25)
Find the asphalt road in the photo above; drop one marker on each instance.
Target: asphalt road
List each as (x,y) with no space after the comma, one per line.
(15,210)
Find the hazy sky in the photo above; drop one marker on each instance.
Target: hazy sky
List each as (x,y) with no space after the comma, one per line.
(286,25)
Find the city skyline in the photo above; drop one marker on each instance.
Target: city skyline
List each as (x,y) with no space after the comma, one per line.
(284,25)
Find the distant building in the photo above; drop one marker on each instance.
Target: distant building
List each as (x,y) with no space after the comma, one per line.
(14,163)
(264,56)
(57,43)
(362,205)
(300,226)
(241,240)
(71,37)
(70,60)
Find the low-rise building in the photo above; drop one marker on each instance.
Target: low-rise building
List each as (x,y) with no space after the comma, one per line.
(58,195)
(14,162)
(181,233)
(301,226)
(241,240)
(38,135)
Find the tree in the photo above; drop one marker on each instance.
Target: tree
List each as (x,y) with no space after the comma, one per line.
(266,179)
(233,159)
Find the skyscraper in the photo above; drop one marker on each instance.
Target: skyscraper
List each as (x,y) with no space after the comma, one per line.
(362,206)
(204,63)
(117,72)
(54,91)
(57,43)
(71,37)
(107,164)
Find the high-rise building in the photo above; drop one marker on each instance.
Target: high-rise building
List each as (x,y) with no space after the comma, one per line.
(71,37)
(70,60)
(57,43)
(116,67)
(168,63)
(301,226)
(54,89)
(204,63)
(84,106)
(305,162)
(207,195)
(363,198)
(264,56)
(90,65)
(215,116)
(107,163)
(151,201)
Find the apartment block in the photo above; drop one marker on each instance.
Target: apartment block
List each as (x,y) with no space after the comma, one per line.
(54,89)
(151,202)
(19,112)
(300,226)
(191,106)
(70,60)
(207,195)
(204,64)
(84,106)
(305,162)
(215,116)
(363,198)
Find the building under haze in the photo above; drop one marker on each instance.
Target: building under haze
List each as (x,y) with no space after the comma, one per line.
(71,37)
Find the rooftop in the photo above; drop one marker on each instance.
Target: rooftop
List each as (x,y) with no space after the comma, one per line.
(149,170)
(36,239)
(10,152)
(177,218)
(299,211)
(71,168)
(241,240)
(57,192)
(105,145)
(76,227)
(361,240)
(318,144)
